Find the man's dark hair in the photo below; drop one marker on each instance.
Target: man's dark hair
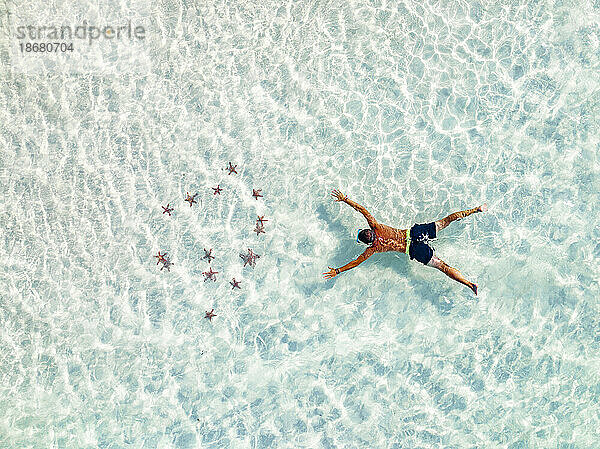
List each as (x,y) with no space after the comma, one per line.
(366,236)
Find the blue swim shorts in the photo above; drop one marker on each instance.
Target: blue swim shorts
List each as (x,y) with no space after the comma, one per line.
(419,248)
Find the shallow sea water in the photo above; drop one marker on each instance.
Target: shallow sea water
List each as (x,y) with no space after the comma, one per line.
(414,111)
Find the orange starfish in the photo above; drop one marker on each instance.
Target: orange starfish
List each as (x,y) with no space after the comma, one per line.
(161,258)
(249,258)
(210,315)
(207,255)
(256,194)
(210,274)
(231,169)
(190,199)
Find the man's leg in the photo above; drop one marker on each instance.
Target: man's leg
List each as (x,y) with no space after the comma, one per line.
(441,224)
(451,272)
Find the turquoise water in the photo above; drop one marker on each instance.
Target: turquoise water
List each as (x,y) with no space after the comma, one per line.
(414,111)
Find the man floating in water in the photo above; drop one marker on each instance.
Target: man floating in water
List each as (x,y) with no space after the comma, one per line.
(382,238)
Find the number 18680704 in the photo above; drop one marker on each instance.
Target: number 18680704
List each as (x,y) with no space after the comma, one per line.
(46,47)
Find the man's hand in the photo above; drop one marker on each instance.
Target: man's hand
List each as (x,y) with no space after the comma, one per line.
(331,273)
(339,196)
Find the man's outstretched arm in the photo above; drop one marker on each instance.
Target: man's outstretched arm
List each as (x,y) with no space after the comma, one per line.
(339,196)
(360,259)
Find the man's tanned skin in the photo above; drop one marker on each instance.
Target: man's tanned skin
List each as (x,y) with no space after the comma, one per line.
(385,238)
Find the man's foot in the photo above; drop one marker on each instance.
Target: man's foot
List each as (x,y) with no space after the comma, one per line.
(483,208)
(474,288)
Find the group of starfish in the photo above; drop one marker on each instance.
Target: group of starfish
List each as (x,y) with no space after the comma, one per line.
(249,259)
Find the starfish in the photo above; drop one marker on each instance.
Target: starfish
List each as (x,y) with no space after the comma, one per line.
(252,254)
(210,315)
(217,190)
(210,275)
(161,258)
(259,229)
(167,210)
(261,219)
(256,194)
(246,259)
(236,284)
(167,264)
(190,199)
(249,258)
(207,255)
(231,169)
